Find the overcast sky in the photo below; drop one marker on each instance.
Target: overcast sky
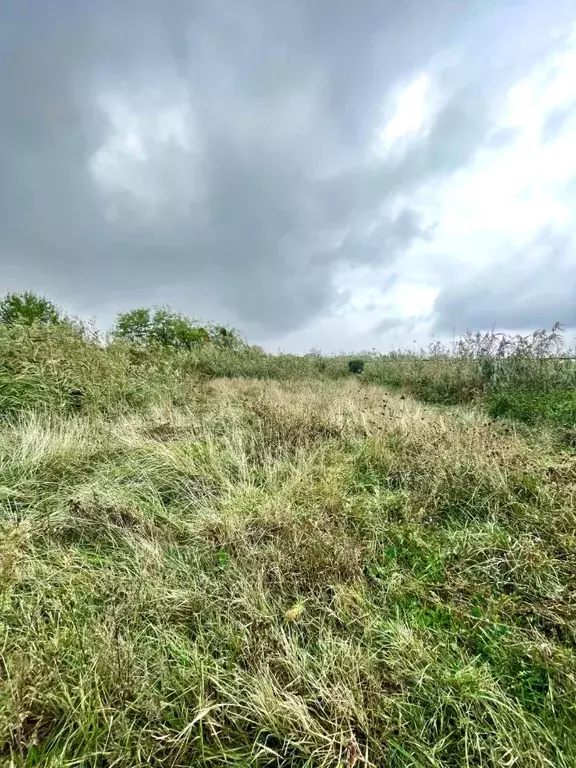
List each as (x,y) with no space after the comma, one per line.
(339,174)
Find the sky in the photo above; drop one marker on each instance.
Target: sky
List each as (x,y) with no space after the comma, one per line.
(321,174)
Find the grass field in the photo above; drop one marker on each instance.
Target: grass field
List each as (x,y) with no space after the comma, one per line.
(278,573)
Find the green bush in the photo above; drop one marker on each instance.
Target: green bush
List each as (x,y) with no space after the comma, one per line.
(355,366)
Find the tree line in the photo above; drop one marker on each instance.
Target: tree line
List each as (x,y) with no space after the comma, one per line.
(144,325)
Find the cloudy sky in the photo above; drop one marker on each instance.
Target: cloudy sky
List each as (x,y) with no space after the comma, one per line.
(320,173)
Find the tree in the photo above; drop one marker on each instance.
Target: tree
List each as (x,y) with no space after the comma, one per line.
(28,308)
(161,326)
(226,337)
(133,326)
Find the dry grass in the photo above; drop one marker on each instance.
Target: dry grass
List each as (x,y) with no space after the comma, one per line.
(303,574)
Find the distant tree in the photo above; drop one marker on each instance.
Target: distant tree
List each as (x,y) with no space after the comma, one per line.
(172,329)
(28,308)
(134,325)
(226,337)
(161,326)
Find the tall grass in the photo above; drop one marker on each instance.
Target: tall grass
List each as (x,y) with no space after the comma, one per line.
(530,377)
(230,558)
(40,366)
(525,377)
(284,573)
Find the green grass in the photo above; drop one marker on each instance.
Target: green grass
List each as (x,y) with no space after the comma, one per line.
(532,407)
(282,573)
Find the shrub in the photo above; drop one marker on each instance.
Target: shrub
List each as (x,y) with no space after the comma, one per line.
(355,366)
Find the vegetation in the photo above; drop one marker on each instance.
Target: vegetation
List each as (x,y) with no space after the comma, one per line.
(165,327)
(533,407)
(531,378)
(28,308)
(214,556)
(356,365)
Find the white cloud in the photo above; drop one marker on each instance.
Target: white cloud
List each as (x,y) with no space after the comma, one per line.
(511,193)
(409,299)
(412,108)
(410,112)
(484,213)
(142,129)
(551,84)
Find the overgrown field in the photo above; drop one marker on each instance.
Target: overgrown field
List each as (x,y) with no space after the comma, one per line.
(261,573)
(216,557)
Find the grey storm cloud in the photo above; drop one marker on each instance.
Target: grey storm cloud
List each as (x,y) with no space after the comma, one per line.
(269,190)
(533,289)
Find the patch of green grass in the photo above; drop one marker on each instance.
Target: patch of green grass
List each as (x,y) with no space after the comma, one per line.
(532,407)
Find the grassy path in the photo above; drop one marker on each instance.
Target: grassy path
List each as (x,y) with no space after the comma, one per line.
(303,574)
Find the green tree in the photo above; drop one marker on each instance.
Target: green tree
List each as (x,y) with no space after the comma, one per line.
(226,337)
(28,308)
(133,326)
(161,326)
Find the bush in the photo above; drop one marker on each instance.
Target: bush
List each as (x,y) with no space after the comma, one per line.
(355,366)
